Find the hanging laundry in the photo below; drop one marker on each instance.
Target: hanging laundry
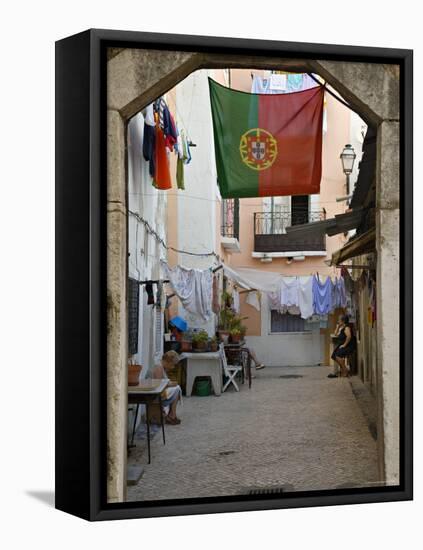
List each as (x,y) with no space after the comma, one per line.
(235,301)
(186,153)
(289,292)
(339,298)
(159,107)
(322,296)
(254,300)
(193,287)
(216,295)
(261,85)
(162,178)
(294,83)
(305,296)
(149,139)
(274,300)
(278,83)
(169,129)
(180,176)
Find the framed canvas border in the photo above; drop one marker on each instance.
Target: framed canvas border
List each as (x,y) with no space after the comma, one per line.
(81,256)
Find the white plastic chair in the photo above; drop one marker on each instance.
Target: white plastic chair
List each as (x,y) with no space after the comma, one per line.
(230,371)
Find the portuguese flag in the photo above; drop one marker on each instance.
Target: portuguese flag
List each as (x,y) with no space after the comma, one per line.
(267,144)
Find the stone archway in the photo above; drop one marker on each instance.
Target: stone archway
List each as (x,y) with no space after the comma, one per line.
(135,77)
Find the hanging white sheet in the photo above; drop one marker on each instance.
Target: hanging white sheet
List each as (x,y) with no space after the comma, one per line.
(254,300)
(193,287)
(235,299)
(305,296)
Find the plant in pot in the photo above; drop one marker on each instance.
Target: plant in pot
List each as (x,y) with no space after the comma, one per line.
(226,317)
(134,371)
(186,345)
(237,330)
(235,335)
(200,340)
(213,344)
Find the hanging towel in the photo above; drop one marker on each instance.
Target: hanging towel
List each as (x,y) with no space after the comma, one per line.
(305,296)
(216,296)
(235,301)
(254,300)
(180,176)
(322,296)
(339,298)
(193,287)
(149,139)
(162,174)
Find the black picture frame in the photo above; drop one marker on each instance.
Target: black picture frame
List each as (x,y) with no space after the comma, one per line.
(81,267)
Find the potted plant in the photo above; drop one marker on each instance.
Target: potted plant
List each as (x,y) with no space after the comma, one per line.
(235,335)
(226,317)
(200,340)
(213,344)
(134,371)
(186,345)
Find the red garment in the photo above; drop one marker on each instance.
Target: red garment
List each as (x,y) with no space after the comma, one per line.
(162,178)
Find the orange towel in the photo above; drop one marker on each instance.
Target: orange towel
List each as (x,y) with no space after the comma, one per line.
(162,178)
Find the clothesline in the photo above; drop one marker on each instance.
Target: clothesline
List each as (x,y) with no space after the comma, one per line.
(159,239)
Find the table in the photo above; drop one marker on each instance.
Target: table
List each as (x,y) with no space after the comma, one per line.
(203,364)
(147,392)
(240,347)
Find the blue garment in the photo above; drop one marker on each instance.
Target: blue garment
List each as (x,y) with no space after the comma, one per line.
(339,297)
(149,147)
(322,296)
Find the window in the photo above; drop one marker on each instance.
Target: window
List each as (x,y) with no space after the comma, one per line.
(285,322)
(299,209)
(133,313)
(230,218)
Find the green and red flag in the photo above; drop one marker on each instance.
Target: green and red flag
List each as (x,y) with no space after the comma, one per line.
(267,144)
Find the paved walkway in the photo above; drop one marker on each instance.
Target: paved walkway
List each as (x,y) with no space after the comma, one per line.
(302,433)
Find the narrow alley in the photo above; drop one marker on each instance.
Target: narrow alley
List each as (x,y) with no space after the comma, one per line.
(307,432)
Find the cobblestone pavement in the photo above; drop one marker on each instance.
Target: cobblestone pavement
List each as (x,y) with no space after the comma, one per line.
(301,433)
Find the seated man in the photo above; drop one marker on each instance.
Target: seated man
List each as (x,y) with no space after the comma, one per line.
(172,394)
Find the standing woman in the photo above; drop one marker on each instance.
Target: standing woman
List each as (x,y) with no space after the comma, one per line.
(346,346)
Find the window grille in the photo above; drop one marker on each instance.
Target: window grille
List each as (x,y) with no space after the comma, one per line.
(133,315)
(285,322)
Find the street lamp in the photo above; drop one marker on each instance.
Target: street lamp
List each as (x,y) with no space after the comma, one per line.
(348,157)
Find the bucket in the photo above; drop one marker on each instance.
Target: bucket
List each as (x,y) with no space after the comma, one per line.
(202,387)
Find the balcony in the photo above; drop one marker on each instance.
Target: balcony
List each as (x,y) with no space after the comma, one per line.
(270,233)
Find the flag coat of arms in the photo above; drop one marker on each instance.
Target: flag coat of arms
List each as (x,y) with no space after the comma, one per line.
(267,145)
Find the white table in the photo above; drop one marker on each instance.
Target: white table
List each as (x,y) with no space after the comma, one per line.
(203,364)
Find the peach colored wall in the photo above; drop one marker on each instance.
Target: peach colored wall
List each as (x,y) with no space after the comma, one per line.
(253,321)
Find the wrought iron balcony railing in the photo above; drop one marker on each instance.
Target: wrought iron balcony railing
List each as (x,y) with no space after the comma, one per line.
(270,231)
